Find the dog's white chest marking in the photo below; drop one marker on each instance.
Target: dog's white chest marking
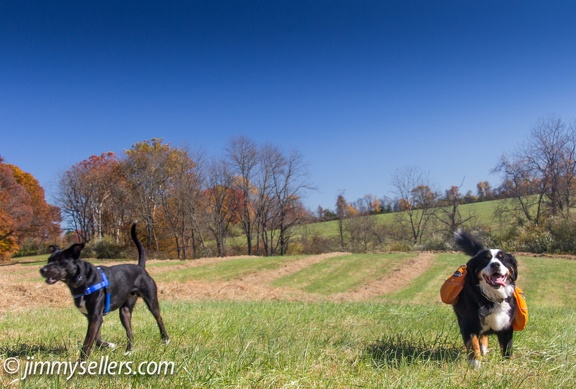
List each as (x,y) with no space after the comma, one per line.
(82,305)
(498,318)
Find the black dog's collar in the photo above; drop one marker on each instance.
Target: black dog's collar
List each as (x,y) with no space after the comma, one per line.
(101,285)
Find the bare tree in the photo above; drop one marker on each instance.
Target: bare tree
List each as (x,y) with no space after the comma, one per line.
(545,166)
(417,200)
(220,212)
(180,202)
(242,153)
(289,184)
(449,210)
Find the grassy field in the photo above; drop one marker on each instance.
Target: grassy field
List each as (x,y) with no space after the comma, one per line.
(404,338)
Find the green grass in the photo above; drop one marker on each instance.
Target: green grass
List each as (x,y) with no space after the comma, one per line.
(423,288)
(227,269)
(407,339)
(343,273)
(293,344)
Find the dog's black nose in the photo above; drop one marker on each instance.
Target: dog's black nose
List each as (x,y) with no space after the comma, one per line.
(495,265)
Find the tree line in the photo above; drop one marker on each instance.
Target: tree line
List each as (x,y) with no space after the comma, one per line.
(248,201)
(535,211)
(189,206)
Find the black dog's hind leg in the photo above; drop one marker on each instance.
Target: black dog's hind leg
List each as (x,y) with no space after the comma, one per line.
(150,297)
(126,320)
(101,343)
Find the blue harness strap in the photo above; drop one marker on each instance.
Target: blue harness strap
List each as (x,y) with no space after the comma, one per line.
(101,285)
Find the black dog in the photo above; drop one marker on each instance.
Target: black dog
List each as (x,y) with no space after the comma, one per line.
(486,304)
(98,291)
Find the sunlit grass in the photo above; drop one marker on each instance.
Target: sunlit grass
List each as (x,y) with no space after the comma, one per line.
(296,344)
(226,270)
(407,339)
(343,273)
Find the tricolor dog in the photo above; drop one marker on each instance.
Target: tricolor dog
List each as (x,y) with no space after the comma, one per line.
(486,305)
(99,290)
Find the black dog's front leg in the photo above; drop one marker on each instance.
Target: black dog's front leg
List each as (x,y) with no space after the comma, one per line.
(94,323)
(505,339)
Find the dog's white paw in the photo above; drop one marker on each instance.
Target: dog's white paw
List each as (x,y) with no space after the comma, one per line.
(166,341)
(475,363)
(111,345)
(128,353)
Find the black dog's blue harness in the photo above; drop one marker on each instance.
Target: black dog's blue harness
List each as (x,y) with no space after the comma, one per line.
(101,285)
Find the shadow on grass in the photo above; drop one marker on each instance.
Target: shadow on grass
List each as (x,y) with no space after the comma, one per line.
(24,350)
(397,351)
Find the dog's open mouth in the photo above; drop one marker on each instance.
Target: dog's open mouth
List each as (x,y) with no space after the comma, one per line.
(51,280)
(495,280)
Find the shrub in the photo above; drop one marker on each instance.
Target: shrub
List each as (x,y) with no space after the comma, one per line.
(105,248)
(533,238)
(317,244)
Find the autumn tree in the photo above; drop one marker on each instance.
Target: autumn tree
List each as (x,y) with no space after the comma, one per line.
(153,170)
(85,193)
(221,203)
(484,191)
(24,213)
(45,224)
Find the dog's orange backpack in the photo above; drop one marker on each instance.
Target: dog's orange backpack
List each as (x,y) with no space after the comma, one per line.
(521,318)
(452,286)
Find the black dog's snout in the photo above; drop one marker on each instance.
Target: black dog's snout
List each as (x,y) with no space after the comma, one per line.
(44,270)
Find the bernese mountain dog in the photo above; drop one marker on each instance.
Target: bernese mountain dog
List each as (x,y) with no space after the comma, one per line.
(486,304)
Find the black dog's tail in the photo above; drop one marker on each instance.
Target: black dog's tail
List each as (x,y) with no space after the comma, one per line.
(468,243)
(141,252)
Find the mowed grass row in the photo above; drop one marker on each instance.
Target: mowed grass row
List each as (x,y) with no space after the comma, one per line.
(406,339)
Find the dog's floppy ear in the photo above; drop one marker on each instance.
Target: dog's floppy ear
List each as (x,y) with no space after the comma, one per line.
(468,243)
(514,264)
(75,250)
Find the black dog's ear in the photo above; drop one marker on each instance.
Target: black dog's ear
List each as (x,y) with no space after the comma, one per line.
(75,250)
(468,243)
(53,248)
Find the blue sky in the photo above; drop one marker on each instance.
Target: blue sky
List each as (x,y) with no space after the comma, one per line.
(359,88)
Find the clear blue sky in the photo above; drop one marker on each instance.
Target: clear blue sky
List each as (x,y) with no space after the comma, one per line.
(360,88)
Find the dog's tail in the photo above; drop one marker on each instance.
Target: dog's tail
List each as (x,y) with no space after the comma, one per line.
(468,243)
(141,252)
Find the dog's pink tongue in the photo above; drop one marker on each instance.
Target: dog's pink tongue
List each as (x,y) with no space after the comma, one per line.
(499,279)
